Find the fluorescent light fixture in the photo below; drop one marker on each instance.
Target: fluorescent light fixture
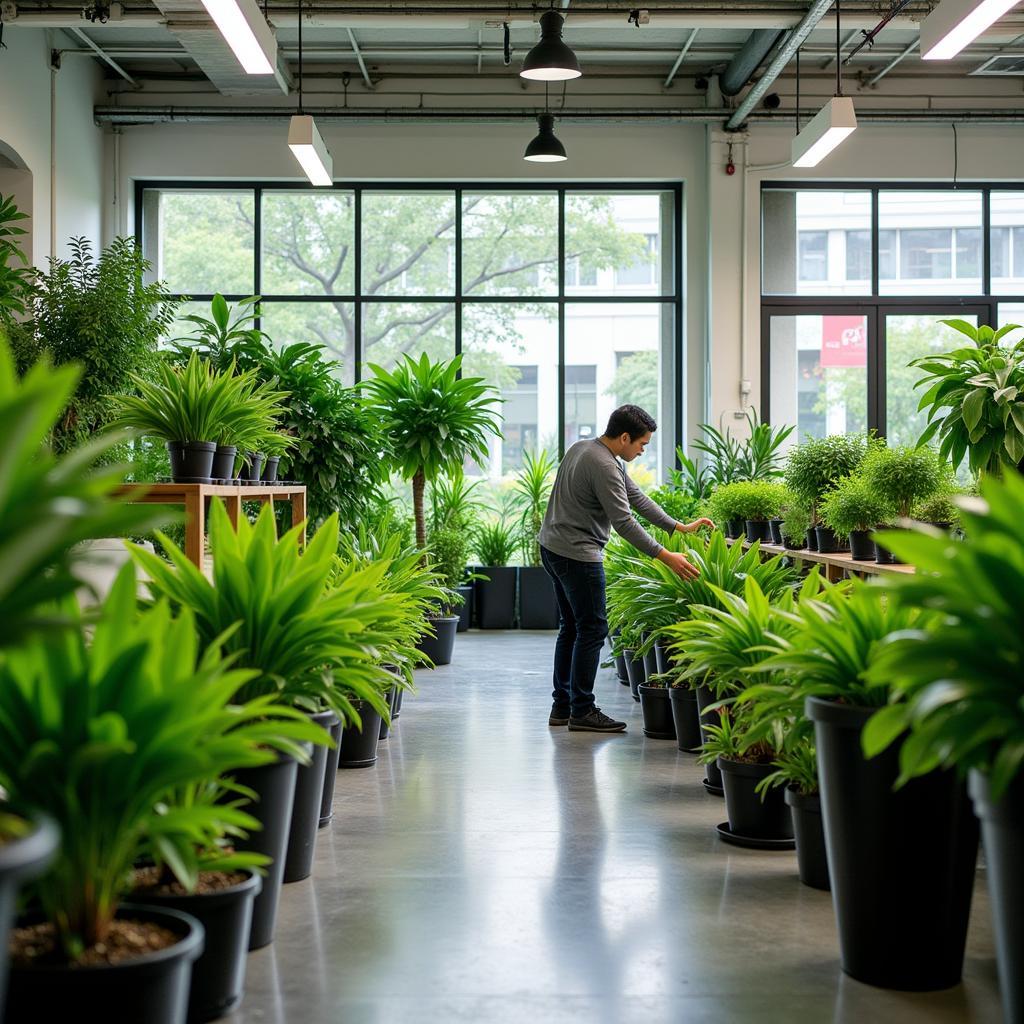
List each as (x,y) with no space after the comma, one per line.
(824,132)
(956,23)
(305,141)
(246,31)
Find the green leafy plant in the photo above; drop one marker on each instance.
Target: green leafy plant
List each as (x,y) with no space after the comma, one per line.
(453,504)
(679,504)
(533,487)
(855,504)
(753,499)
(755,457)
(495,542)
(691,478)
(726,503)
(957,681)
(975,400)
(98,733)
(449,553)
(819,463)
(796,520)
(17,276)
(225,337)
(940,509)
(901,476)
(434,419)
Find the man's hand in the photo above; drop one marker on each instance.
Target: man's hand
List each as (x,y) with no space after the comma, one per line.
(679,564)
(697,524)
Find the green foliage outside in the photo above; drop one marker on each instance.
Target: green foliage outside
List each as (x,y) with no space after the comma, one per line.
(637,376)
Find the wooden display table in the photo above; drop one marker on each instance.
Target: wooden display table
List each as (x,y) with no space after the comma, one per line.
(193,497)
(835,564)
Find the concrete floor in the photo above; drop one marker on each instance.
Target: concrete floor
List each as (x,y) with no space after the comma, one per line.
(492,869)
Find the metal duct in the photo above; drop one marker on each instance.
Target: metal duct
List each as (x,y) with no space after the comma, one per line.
(750,57)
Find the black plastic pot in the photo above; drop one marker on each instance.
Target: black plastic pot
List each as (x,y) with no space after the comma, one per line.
(466,608)
(775,527)
(883,556)
(862,547)
(657,711)
(812,539)
(1002,825)
(269,474)
(309,792)
(828,541)
(538,606)
(252,466)
(705,698)
(661,658)
(901,861)
(635,671)
(733,528)
(274,785)
(750,816)
(758,529)
(359,748)
(439,648)
(191,461)
(794,543)
(686,717)
(330,775)
(218,976)
(387,723)
(398,704)
(650,662)
(811,858)
(223,467)
(152,989)
(496,597)
(20,861)
(620,669)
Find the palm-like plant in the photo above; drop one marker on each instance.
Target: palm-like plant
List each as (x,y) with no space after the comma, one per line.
(495,543)
(227,336)
(434,418)
(99,733)
(48,504)
(533,487)
(312,645)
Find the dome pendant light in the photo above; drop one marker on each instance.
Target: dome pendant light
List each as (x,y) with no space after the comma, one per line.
(551,60)
(305,140)
(545,148)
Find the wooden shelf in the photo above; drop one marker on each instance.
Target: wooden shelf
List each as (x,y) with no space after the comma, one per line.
(835,564)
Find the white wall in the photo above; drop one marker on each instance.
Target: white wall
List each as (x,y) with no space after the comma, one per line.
(25,130)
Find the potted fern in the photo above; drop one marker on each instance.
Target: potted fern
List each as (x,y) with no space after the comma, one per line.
(495,597)
(853,508)
(538,607)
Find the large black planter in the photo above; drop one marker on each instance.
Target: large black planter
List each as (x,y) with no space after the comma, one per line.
(812,539)
(758,529)
(1002,825)
(650,662)
(223,467)
(862,547)
(496,597)
(191,461)
(218,976)
(359,747)
(309,792)
(274,785)
(750,816)
(686,716)
(440,647)
(620,669)
(152,989)
(811,858)
(397,713)
(538,606)
(713,776)
(775,525)
(829,542)
(657,711)
(635,671)
(466,608)
(661,658)
(901,861)
(330,775)
(733,528)
(20,861)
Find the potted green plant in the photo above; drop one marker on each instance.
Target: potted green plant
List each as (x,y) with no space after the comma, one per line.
(538,607)
(817,464)
(495,596)
(454,506)
(796,530)
(17,275)
(958,693)
(757,502)
(975,400)
(853,508)
(901,862)
(725,507)
(449,555)
(939,510)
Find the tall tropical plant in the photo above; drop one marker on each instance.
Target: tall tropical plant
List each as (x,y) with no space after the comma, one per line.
(533,488)
(226,337)
(434,419)
(17,276)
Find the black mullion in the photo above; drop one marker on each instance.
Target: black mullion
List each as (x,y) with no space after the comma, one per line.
(357,254)
(875,269)
(561,324)
(986,242)
(766,364)
(876,369)
(458,273)
(257,252)
(679,310)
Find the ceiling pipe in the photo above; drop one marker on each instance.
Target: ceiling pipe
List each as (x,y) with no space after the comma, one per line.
(681,57)
(746,62)
(875,79)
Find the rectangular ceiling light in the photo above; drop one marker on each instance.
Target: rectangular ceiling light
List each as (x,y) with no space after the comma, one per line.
(956,23)
(824,132)
(246,31)
(307,144)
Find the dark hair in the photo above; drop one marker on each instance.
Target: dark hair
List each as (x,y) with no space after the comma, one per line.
(632,420)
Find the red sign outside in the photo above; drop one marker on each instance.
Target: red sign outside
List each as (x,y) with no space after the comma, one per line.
(844,341)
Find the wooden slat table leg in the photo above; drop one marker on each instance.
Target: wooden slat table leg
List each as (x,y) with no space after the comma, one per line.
(233,504)
(195,526)
(299,514)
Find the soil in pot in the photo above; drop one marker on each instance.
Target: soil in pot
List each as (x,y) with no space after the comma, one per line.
(330,775)
(147,989)
(657,711)
(274,785)
(496,597)
(466,608)
(222,903)
(812,539)
(635,671)
(359,748)
(686,717)
(223,467)
(758,529)
(191,461)
(440,647)
(309,791)
(538,606)
(901,861)
(1002,825)
(713,776)
(828,541)
(862,547)
(775,526)
(750,816)
(809,831)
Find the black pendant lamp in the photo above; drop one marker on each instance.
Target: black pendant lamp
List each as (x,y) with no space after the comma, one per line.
(545,148)
(551,60)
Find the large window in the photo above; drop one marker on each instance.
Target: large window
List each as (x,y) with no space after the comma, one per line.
(856,283)
(566,300)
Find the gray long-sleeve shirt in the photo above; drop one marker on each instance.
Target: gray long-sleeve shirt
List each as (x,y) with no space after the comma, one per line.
(591,494)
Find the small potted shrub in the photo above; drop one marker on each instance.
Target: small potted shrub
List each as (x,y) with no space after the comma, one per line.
(796,530)
(496,586)
(758,502)
(939,510)
(538,607)
(725,507)
(453,506)
(449,552)
(853,508)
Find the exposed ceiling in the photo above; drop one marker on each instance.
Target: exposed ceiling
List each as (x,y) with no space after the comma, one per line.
(399,58)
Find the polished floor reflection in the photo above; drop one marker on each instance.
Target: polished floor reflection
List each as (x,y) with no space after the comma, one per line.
(492,869)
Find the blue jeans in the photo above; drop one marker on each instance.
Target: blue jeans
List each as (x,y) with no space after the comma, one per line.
(583,626)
